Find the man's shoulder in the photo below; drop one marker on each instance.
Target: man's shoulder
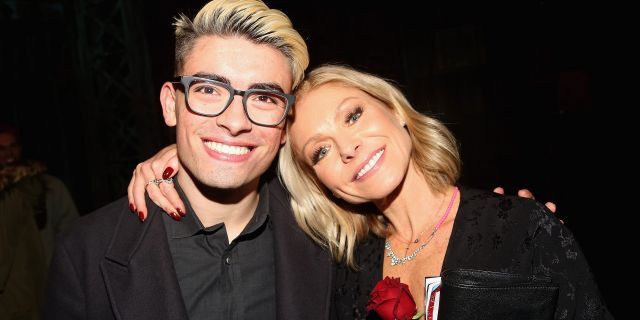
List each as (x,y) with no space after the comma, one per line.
(51,180)
(99,224)
(277,192)
(54,184)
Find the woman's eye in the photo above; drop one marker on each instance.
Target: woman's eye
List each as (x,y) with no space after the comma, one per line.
(319,153)
(354,116)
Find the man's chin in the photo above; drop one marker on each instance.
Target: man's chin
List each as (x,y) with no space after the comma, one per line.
(227,190)
(223,185)
(227,180)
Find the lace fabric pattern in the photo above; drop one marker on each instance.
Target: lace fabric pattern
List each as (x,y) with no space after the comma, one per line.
(494,233)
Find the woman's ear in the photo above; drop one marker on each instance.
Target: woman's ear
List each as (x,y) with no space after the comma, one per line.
(400,119)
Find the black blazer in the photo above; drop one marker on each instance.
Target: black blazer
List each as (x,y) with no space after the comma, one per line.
(109,265)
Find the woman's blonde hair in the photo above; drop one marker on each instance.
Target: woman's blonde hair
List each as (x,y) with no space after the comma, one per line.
(334,223)
(251,19)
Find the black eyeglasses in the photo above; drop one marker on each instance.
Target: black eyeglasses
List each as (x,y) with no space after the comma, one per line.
(210,98)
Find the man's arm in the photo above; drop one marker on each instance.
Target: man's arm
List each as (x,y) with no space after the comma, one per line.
(525,193)
(64,297)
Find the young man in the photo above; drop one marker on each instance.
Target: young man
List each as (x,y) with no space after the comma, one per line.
(237,253)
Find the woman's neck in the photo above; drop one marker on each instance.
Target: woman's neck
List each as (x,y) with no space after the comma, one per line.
(413,207)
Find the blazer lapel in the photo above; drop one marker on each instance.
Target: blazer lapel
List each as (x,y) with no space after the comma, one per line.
(304,270)
(138,270)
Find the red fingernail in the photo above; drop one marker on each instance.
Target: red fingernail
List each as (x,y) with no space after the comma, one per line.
(132,208)
(167,173)
(141,216)
(181,213)
(175,216)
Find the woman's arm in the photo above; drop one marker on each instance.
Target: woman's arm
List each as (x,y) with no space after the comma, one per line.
(559,256)
(163,165)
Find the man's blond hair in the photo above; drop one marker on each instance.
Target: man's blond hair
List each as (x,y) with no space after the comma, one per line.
(250,19)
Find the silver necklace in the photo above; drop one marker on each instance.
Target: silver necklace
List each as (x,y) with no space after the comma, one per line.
(395,260)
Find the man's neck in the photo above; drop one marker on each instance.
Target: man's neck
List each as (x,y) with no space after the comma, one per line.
(233,207)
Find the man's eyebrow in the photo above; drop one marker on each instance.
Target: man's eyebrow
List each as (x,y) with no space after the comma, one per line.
(267,86)
(261,85)
(212,76)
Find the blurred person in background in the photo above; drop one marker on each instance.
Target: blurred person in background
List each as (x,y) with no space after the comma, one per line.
(51,204)
(34,207)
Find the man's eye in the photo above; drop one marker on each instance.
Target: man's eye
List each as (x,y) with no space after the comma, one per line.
(266,98)
(204,89)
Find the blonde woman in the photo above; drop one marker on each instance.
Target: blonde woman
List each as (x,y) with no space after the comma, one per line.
(375,182)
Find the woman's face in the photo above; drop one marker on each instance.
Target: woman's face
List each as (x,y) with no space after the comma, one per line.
(356,145)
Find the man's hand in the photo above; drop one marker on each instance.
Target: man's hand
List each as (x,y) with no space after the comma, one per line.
(525,193)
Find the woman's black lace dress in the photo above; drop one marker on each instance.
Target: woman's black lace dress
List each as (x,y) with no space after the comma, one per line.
(495,233)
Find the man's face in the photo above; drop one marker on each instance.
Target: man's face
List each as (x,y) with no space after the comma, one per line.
(227,151)
(9,149)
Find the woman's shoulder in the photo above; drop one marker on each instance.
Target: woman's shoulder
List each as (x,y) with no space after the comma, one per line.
(485,213)
(484,204)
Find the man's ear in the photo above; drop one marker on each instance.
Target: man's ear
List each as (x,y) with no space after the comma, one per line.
(283,136)
(283,133)
(168,101)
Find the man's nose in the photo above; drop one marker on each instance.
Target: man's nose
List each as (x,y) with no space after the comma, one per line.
(234,118)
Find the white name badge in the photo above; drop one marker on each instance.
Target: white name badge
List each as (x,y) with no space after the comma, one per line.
(431,297)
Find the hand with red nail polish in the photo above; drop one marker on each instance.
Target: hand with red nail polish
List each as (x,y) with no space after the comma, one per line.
(175,216)
(163,165)
(167,173)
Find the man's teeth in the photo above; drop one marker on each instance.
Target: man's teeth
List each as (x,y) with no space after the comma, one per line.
(370,164)
(223,148)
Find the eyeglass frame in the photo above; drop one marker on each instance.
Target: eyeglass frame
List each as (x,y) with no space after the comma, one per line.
(186,82)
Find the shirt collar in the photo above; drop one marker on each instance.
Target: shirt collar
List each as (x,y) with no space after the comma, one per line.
(190,225)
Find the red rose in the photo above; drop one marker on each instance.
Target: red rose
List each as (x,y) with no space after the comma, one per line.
(392,300)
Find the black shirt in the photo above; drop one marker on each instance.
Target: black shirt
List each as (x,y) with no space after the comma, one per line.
(221,280)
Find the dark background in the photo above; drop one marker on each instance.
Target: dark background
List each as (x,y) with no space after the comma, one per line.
(525,86)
